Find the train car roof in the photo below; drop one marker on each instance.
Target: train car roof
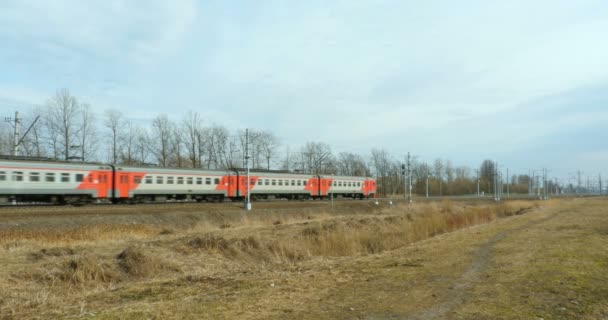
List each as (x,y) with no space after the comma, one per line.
(278,174)
(328,176)
(159,170)
(50,164)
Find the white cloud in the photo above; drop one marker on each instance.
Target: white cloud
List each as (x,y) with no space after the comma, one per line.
(375,72)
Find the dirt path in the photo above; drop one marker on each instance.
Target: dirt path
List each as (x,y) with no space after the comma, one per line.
(461,289)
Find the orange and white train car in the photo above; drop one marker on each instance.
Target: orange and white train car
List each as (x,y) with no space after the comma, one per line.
(77,183)
(55,182)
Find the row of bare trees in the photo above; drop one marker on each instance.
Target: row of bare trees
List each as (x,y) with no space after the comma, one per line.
(69,130)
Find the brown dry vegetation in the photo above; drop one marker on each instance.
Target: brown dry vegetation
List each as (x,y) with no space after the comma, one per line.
(281,261)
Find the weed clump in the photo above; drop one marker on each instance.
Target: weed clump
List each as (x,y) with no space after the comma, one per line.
(51,252)
(249,249)
(135,262)
(83,270)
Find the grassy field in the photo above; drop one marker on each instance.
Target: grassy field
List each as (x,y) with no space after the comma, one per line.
(446,260)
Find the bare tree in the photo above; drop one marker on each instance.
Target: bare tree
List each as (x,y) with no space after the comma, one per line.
(193,132)
(129,144)
(449,175)
(142,145)
(487,170)
(317,157)
(351,164)
(61,119)
(162,134)
(177,147)
(382,165)
(438,166)
(114,122)
(267,143)
(33,142)
(86,136)
(6,139)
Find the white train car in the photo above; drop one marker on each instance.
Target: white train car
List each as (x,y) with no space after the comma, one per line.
(351,187)
(161,184)
(270,185)
(54,181)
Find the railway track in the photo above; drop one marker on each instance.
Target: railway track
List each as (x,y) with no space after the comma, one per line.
(170,203)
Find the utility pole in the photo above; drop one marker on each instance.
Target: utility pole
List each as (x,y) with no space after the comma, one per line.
(478,178)
(530,182)
(599,178)
(15,123)
(427,185)
(16,134)
(331,195)
(248,204)
(496,198)
(546,175)
(409,178)
(404,174)
(508,183)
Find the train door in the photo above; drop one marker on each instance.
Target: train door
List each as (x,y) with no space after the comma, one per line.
(103,184)
(314,183)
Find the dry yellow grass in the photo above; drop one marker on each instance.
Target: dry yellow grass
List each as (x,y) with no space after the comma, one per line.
(237,265)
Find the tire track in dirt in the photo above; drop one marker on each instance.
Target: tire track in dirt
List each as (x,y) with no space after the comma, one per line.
(481,259)
(460,290)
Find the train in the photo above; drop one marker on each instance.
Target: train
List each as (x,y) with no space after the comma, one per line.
(24,180)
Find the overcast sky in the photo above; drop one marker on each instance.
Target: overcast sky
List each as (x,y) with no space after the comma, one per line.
(522,82)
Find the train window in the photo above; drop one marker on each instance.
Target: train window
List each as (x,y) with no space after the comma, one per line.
(170,180)
(180,180)
(199,180)
(280,182)
(149,179)
(293,183)
(299,182)
(2,176)
(124,179)
(65,177)
(34,176)
(17,176)
(216,181)
(103,178)
(189,180)
(207,180)
(274,182)
(50,177)
(358,184)
(260,182)
(137,179)
(266,182)
(159,180)
(79,177)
